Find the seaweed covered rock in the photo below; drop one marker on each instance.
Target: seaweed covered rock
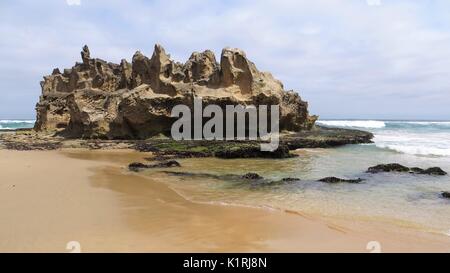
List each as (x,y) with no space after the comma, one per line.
(290,179)
(168,148)
(137,166)
(431,171)
(333,180)
(392,167)
(323,137)
(395,167)
(244,150)
(252,176)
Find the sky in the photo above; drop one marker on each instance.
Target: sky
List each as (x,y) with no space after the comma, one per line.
(362,59)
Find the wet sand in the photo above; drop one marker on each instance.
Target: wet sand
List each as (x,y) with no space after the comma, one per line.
(50,198)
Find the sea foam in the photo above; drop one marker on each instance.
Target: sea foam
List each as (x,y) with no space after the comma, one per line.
(416,149)
(424,138)
(415,143)
(11,124)
(353,123)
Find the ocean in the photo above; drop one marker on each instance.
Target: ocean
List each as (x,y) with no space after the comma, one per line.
(426,138)
(11,124)
(405,200)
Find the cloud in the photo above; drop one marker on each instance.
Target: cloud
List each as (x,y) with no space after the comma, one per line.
(373,2)
(73,2)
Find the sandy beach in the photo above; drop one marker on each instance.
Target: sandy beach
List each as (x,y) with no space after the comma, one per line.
(50,198)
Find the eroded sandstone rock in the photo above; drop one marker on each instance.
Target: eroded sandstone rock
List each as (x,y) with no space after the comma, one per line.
(98,99)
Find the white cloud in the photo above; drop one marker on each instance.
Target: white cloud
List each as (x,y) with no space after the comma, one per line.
(73,2)
(373,2)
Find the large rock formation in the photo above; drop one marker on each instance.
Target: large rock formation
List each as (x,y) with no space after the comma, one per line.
(97,99)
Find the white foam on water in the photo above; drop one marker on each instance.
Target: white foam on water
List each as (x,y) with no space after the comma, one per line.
(12,124)
(416,150)
(424,138)
(431,144)
(375,124)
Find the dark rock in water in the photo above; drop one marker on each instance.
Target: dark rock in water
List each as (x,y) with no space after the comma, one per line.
(164,149)
(322,137)
(252,176)
(433,171)
(252,151)
(416,170)
(393,167)
(167,164)
(290,179)
(446,194)
(339,180)
(136,166)
(252,180)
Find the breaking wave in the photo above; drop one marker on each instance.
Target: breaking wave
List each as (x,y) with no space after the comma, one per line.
(416,149)
(12,124)
(375,124)
(414,142)
(424,138)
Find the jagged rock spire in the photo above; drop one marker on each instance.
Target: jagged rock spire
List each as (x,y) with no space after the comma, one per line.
(133,100)
(85,54)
